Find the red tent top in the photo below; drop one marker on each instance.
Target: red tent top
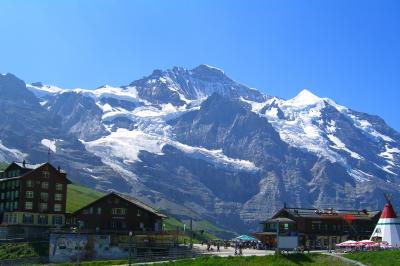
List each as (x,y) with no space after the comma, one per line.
(388,212)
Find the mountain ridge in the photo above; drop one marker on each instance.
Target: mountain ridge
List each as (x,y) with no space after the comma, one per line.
(195,139)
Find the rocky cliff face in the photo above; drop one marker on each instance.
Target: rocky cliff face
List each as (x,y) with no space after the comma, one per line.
(198,144)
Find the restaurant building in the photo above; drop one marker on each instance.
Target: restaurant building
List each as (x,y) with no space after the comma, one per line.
(320,228)
(117,212)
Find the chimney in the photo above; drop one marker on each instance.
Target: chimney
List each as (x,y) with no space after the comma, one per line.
(59,169)
(23,163)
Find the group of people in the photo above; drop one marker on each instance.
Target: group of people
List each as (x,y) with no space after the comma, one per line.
(238,248)
(210,245)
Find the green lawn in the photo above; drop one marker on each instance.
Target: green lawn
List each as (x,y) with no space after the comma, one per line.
(78,196)
(3,166)
(23,250)
(376,258)
(282,260)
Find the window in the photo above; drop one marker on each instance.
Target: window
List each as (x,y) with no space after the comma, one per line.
(14,218)
(17,183)
(57,207)
(59,186)
(15,205)
(43,207)
(2,195)
(7,206)
(46,174)
(13,184)
(57,220)
(1,206)
(8,195)
(16,193)
(27,218)
(58,196)
(43,219)
(3,185)
(29,194)
(118,211)
(28,205)
(44,196)
(29,183)
(98,210)
(91,210)
(45,185)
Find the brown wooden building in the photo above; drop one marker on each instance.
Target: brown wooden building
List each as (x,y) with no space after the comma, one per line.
(321,228)
(118,213)
(32,195)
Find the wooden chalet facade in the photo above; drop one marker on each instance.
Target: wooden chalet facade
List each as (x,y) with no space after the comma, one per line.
(32,196)
(321,229)
(116,212)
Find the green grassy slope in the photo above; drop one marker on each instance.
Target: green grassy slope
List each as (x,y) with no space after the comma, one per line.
(376,258)
(3,166)
(79,196)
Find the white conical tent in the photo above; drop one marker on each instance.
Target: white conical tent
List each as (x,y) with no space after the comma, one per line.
(388,227)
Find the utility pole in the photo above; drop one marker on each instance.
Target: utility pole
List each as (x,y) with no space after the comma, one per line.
(277,238)
(77,230)
(191,233)
(130,248)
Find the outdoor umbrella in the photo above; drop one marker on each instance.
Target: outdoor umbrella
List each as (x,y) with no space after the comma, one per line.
(246,238)
(365,242)
(348,243)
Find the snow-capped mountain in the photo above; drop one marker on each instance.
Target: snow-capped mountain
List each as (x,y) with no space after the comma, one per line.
(199,144)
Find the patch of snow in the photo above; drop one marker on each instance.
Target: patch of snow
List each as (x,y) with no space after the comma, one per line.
(272,113)
(305,98)
(216,157)
(389,154)
(341,146)
(255,106)
(359,175)
(123,147)
(386,169)
(128,94)
(215,68)
(369,129)
(9,154)
(44,90)
(126,145)
(331,128)
(88,169)
(51,144)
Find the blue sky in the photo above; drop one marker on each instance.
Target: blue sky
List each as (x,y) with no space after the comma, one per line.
(346,50)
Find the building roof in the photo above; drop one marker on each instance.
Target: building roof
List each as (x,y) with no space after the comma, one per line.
(139,203)
(281,220)
(28,166)
(327,213)
(25,168)
(130,200)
